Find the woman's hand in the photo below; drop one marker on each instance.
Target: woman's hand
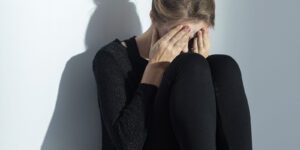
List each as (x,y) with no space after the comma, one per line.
(201,43)
(165,49)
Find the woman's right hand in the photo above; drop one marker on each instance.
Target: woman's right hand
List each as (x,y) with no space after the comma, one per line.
(165,49)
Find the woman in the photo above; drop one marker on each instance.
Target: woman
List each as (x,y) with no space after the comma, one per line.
(158,92)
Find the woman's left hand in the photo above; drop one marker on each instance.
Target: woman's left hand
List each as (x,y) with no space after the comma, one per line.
(201,43)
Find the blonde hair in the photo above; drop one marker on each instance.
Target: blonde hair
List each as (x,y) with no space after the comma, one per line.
(172,10)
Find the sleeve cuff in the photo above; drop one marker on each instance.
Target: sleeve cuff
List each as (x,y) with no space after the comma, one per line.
(147,90)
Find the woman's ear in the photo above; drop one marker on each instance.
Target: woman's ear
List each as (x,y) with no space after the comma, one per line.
(151,17)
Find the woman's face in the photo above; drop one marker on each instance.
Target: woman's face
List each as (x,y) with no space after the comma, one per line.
(194,26)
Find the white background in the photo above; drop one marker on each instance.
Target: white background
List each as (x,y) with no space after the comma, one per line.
(48,93)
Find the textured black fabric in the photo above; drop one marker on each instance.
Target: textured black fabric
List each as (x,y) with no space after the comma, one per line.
(200,103)
(124,102)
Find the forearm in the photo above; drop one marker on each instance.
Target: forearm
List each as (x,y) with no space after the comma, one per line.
(153,74)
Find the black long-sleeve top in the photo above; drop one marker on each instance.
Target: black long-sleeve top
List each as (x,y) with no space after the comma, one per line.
(125,103)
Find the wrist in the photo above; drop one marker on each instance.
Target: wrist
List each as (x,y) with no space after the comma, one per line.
(159,66)
(153,74)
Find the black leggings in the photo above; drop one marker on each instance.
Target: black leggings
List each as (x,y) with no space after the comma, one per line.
(200,105)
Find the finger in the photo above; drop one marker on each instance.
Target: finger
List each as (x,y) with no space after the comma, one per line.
(185,45)
(200,41)
(172,32)
(186,48)
(195,45)
(180,35)
(206,39)
(182,42)
(154,37)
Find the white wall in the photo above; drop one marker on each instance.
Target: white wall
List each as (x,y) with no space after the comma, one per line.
(48,93)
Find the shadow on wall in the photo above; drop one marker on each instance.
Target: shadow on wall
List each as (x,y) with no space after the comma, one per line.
(76,122)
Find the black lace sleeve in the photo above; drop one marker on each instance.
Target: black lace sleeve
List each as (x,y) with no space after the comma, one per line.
(125,123)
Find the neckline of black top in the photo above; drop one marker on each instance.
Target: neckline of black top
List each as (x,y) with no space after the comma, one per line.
(133,50)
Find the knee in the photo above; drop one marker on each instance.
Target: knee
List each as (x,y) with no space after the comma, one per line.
(191,63)
(223,64)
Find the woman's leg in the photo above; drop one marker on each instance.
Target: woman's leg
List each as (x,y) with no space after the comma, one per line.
(184,114)
(234,126)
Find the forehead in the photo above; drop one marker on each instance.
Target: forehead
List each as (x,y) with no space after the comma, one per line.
(191,24)
(194,25)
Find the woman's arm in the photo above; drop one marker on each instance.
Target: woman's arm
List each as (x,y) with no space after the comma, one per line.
(153,74)
(125,123)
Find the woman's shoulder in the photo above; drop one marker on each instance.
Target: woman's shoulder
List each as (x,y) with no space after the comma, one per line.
(114,48)
(110,47)
(112,52)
